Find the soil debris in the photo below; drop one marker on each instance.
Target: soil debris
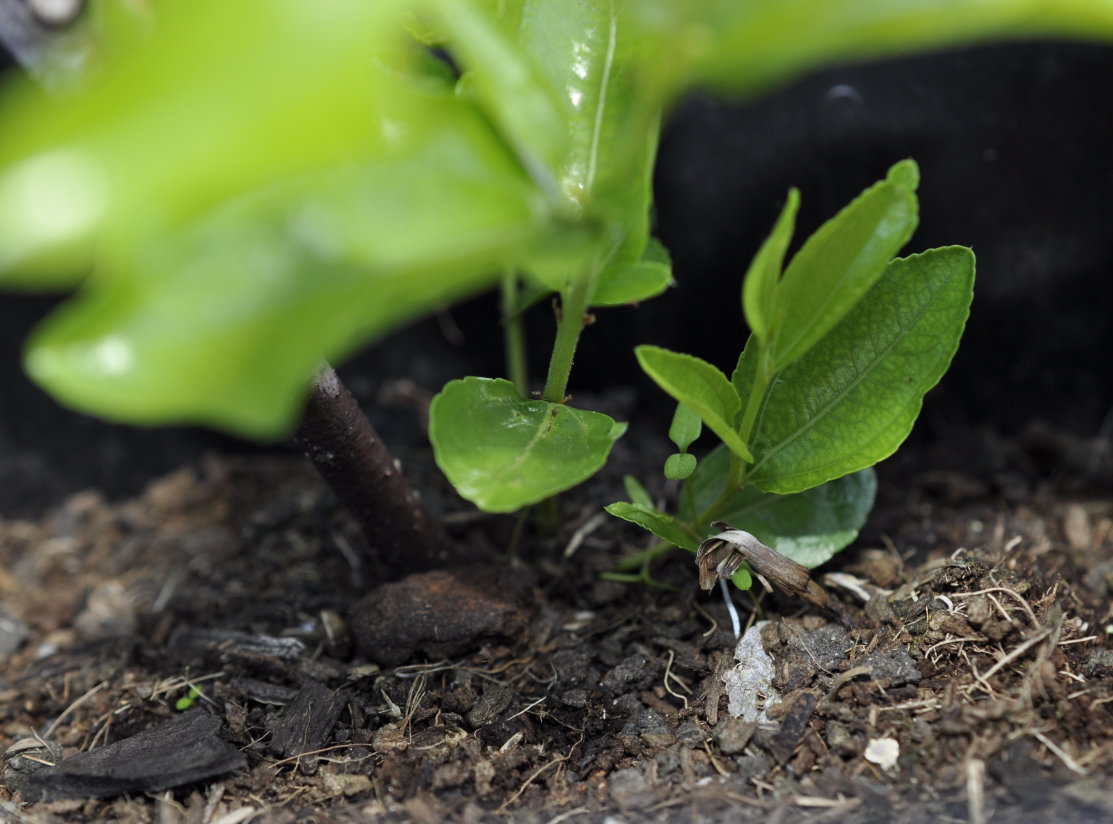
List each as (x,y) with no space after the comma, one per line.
(441,613)
(178,751)
(529,690)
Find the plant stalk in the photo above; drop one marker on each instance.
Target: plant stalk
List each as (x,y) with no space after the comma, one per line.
(573,310)
(345,449)
(514,333)
(735,475)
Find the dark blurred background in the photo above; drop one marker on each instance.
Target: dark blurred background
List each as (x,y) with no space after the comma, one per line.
(1013,144)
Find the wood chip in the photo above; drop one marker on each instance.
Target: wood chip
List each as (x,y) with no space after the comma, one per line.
(180,751)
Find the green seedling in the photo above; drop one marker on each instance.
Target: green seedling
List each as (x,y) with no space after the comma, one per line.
(844,343)
(189,700)
(237,192)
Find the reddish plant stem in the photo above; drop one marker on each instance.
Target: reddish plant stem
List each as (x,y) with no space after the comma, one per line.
(343,446)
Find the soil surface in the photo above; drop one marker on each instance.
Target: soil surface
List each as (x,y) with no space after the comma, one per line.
(224,651)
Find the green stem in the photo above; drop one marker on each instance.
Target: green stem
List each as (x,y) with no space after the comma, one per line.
(737,473)
(762,379)
(735,476)
(514,334)
(734,481)
(548,515)
(573,307)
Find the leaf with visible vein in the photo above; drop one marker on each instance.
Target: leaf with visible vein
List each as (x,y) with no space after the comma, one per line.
(852,399)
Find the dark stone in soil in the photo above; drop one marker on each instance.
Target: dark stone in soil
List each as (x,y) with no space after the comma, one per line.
(494,700)
(179,751)
(440,613)
(733,734)
(630,790)
(893,667)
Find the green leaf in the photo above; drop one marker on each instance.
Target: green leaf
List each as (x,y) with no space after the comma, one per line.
(637,493)
(223,322)
(157,135)
(701,387)
(685,427)
(705,485)
(760,283)
(749,46)
(502,451)
(504,77)
(742,578)
(852,399)
(808,527)
(839,263)
(634,282)
(679,466)
(591,53)
(811,526)
(663,526)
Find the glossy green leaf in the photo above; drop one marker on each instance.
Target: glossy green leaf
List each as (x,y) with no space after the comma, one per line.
(502,451)
(592,55)
(839,263)
(698,385)
(760,283)
(508,83)
(223,322)
(809,527)
(662,525)
(749,46)
(222,97)
(851,400)
(686,426)
(679,466)
(623,283)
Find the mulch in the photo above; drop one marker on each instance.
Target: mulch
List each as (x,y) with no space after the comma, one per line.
(219,650)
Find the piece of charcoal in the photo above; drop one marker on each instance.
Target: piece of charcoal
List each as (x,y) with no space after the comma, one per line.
(176,752)
(307,720)
(793,726)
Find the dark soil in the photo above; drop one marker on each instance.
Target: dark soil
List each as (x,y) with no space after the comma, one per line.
(973,685)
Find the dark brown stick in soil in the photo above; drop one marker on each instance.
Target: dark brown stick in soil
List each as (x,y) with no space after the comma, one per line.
(343,446)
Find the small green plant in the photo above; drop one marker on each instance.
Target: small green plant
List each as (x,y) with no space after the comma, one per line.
(189,700)
(844,343)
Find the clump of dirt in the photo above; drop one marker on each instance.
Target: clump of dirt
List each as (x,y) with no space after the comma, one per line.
(970,680)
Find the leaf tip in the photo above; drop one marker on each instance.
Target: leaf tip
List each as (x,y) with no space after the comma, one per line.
(905,174)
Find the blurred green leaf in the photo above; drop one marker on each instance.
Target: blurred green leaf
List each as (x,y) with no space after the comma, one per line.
(528,109)
(662,525)
(502,451)
(747,47)
(699,386)
(838,264)
(220,98)
(679,466)
(223,322)
(686,426)
(624,283)
(851,401)
(636,492)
